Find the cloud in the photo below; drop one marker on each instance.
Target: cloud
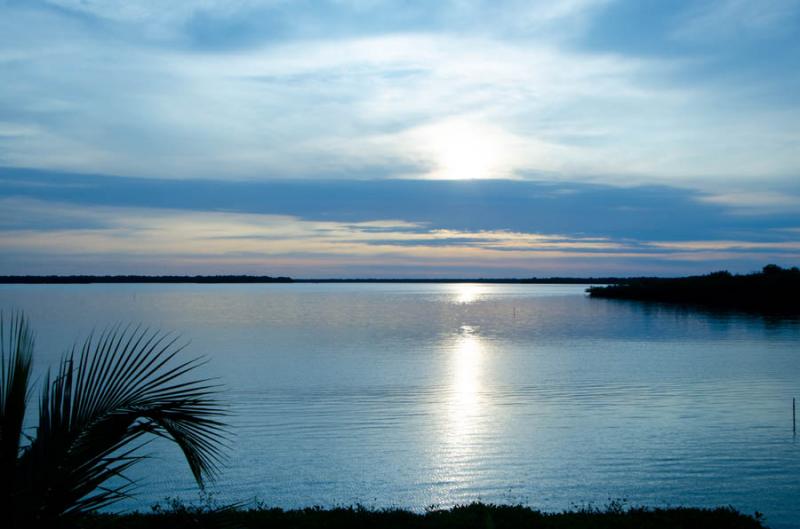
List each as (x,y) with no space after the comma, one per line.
(211,22)
(610,134)
(82,224)
(587,210)
(88,90)
(168,237)
(729,19)
(793,246)
(756,202)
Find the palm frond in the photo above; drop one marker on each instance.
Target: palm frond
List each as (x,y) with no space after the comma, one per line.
(123,385)
(16,358)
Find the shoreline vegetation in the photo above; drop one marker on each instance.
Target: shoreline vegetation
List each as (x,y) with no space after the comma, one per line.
(90,279)
(475,515)
(774,289)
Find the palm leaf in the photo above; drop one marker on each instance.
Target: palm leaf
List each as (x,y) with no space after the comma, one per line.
(94,414)
(16,344)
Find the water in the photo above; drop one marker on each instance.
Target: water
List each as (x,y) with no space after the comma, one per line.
(418,395)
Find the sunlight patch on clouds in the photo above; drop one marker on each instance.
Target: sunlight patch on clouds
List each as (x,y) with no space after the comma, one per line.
(462,150)
(363,105)
(128,94)
(422,101)
(135,230)
(61,232)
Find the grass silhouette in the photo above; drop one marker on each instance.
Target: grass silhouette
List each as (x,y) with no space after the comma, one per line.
(475,515)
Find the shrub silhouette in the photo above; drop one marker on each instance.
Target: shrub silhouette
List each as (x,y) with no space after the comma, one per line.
(774,289)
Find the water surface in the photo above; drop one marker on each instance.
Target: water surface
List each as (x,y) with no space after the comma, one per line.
(417,395)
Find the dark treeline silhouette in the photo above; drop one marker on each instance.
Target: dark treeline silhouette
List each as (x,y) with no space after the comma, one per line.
(85,279)
(774,289)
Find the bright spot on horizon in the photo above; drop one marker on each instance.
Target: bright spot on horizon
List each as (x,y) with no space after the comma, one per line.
(467,293)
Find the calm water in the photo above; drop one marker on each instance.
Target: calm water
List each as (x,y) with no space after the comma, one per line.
(419,395)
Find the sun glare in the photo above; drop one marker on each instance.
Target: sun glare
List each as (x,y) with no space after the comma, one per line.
(464,404)
(465,293)
(467,151)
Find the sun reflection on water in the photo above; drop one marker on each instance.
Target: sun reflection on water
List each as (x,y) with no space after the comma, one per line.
(462,428)
(466,293)
(464,396)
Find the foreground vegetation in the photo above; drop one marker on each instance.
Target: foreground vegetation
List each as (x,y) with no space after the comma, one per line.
(476,515)
(774,289)
(94,416)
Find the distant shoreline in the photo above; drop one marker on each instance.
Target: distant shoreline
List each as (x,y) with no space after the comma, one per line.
(244,279)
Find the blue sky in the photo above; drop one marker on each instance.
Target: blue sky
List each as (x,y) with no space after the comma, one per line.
(376,138)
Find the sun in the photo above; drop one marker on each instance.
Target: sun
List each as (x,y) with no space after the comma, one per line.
(466,151)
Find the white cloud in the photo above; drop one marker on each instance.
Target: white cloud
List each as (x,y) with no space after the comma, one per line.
(83,99)
(298,109)
(755,202)
(702,246)
(52,237)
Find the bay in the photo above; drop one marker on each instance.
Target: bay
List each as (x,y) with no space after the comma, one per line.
(419,395)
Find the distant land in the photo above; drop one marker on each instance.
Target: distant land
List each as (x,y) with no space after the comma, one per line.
(87,279)
(774,289)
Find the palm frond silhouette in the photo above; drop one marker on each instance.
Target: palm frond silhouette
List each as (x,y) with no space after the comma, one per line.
(95,414)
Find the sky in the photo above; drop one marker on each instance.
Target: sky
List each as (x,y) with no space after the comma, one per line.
(377,138)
